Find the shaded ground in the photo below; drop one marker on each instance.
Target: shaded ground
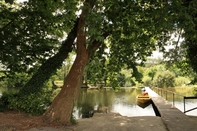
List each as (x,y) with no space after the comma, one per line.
(11,121)
(193,118)
(14,121)
(116,122)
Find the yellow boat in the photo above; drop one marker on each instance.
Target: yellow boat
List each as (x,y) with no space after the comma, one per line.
(143,100)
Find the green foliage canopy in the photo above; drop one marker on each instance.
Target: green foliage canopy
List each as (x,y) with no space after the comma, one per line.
(30,32)
(134,29)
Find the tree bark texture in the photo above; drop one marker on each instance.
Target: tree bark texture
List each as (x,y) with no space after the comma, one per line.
(61,108)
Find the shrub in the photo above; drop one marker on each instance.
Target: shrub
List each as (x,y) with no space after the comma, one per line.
(164,79)
(5,100)
(147,81)
(34,104)
(195,91)
(181,81)
(121,78)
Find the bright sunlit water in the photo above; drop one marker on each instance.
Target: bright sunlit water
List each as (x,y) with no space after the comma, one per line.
(122,102)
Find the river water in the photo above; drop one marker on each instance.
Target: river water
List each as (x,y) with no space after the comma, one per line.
(122,102)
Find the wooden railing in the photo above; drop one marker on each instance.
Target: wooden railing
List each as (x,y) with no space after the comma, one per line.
(165,93)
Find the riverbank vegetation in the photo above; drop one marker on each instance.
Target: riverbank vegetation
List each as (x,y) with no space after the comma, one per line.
(153,75)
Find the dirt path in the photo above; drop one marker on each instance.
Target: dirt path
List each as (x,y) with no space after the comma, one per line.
(14,121)
(21,121)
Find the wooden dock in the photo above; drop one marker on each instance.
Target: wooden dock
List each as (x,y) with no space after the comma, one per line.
(173,118)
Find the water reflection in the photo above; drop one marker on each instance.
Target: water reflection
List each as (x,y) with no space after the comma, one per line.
(104,101)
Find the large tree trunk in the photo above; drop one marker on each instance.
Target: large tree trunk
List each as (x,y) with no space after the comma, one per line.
(48,68)
(62,106)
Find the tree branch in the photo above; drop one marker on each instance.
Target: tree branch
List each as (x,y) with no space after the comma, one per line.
(7,25)
(96,44)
